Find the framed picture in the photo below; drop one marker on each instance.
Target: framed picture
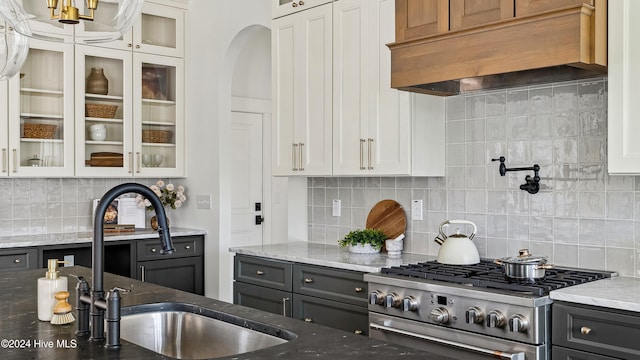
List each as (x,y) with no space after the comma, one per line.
(154,83)
(111,216)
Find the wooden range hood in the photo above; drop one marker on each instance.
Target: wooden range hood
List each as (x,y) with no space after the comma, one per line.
(560,45)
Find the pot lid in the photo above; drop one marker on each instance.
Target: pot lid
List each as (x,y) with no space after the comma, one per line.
(458,235)
(524,257)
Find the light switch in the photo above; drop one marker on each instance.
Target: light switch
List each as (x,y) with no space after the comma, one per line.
(337,205)
(203,201)
(416,209)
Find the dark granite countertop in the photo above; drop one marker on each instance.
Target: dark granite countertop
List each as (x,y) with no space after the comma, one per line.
(19,322)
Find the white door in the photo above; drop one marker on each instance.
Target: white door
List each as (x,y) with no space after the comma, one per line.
(246,175)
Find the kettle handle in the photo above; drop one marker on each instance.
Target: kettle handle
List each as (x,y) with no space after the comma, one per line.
(446,223)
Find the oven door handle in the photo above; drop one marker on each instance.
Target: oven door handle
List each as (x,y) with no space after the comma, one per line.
(493,353)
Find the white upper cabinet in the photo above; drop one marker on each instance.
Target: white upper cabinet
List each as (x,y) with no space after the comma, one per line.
(38,136)
(159,30)
(373,124)
(286,7)
(302,62)
(624,88)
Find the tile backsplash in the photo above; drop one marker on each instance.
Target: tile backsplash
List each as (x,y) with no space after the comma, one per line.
(56,205)
(581,217)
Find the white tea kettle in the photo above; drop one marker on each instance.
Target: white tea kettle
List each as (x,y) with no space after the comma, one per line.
(457,249)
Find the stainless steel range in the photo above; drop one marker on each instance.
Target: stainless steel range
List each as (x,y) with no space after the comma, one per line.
(467,311)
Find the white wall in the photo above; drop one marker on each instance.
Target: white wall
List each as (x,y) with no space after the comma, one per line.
(216,32)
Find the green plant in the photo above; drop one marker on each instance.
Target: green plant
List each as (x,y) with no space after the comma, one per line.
(374,237)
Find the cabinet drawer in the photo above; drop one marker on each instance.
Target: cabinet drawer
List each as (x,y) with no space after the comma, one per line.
(330,313)
(333,284)
(597,330)
(261,298)
(21,259)
(264,272)
(186,274)
(560,353)
(185,246)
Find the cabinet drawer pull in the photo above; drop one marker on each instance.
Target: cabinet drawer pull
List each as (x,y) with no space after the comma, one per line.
(130,162)
(293,157)
(358,332)
(139,160)
(142,273)
(308,320)
(308,280)
(17,261)
(301,166)
(15,161)
(153,250)
(260,272)
(4,160)
(358,289)
(362,141)
(284,306)
(369,142)
(585,330)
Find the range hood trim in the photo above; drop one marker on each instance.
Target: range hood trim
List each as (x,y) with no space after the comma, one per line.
(571,44)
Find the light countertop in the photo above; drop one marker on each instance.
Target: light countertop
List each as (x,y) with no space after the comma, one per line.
(328,255)
(621,293)
(17,241)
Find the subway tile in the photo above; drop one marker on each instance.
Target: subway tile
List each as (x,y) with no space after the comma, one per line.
(541,152)
(621,260)
(619,233)
(593,232)
(620,205)
(541,100)
(591,204)
(518,127)
(566,231)
(518,227)
(592,257)
(455,154)
(496,128)
(592,150)
(497,226)
(475,130)
(565,97)
(621,183)
(591,94)
(476,201)
(541,228)
(539,126)
(475,106)
(564,124)
(476,177)
(455,107)
(496,104)
(518,102)
(565,151)
(517,153)
(593,123)
(566,255)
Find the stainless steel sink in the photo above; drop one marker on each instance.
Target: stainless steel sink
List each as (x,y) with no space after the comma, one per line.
(186,331)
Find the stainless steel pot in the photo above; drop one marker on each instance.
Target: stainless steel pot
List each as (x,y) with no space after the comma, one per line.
(524,266)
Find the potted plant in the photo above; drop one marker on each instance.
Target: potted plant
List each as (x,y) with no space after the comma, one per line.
(365,241)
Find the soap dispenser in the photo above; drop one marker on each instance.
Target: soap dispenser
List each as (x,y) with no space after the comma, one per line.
(48,286)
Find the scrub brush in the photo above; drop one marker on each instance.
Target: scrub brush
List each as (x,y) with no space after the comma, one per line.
(62,310)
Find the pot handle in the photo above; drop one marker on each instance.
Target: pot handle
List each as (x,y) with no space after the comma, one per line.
(475,229)
(498,262)
(546,266)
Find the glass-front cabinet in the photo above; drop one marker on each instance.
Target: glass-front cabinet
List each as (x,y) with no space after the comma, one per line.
(159,30)
(135,126)
(41,116)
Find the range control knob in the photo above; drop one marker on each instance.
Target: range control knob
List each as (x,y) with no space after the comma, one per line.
(392,300)
(495,319)
(439,315)
(376,298)
(409,303)
(474,315)
(518,323)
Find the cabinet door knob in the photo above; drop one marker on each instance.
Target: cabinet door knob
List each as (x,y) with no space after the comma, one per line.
(301,2)
(137,46)
(308,320)
(17,261)
(358,332)
(129,45)
(153,250)
(585,330)
(294,4)
(358,289)
(188,247)
(260,272)
(308,281)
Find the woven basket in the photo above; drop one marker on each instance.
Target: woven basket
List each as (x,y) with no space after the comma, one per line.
(101,110)
(156,136)
(39,131)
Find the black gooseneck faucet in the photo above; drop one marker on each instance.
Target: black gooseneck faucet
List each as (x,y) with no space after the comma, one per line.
(92,301)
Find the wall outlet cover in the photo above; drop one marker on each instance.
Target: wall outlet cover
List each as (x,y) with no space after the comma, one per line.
(337,207)
(416,210)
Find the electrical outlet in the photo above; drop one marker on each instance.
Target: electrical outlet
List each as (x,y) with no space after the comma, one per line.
(70,259)
(337,207)
(203,201)
(416,209)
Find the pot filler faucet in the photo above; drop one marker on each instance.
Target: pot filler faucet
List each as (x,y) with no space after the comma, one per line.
(92,301)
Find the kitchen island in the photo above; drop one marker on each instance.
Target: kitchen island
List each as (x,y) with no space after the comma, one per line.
(30,338)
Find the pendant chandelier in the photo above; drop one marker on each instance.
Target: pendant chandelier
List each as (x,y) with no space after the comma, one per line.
(80,22)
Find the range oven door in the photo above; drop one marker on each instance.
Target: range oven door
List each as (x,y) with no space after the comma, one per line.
(450,342)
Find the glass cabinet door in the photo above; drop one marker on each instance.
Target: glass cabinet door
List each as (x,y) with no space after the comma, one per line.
(158,113)
(103,111)
(41,113)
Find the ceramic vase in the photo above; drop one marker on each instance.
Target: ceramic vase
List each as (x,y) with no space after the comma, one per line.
(97,83)
(154,222)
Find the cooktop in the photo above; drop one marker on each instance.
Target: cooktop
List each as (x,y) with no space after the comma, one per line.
(489,275)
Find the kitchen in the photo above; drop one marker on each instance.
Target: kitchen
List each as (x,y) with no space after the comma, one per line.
(578,219)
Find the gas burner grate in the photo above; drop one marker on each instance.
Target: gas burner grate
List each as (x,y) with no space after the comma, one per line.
(489,275)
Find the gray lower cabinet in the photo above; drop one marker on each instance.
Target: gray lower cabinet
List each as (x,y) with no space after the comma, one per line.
(590,332)
(262,298)
(139,259)
(18,259)
(182,270)
(330,313)
(327,296)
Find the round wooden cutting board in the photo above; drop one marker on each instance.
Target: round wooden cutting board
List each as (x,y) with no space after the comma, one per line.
(389,217)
